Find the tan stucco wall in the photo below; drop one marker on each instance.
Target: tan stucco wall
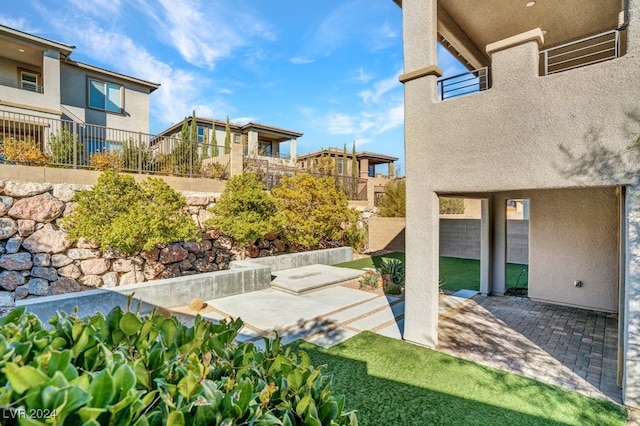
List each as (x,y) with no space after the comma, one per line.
(386,233)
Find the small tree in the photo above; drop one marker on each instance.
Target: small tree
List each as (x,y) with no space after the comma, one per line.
(121,215)
(354,170)
(185,160)
(227,137)
(61,146)
(310,209)
(214,142)
(393,202)
(451,205)
(244,210)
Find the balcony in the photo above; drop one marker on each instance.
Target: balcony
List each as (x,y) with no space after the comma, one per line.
(463,84)
(22,85)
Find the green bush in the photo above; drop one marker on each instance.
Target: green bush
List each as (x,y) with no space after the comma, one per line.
(370,279)
(126,217)
(451,205)
(393,289)
(61,146)
(244,210)
(128,369)
(395,268)
(310,209)
(393,202)
(355,234)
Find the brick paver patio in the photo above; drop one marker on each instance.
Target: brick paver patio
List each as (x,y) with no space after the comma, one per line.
(569,347)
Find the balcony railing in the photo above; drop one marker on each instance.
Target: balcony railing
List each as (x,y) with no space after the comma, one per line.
(464,84)
(32,140)
(580,53)
(23,85)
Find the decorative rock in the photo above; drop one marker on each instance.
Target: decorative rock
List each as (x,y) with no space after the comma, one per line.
(8,228)
(3,209)
(202,265)
(38,287)
(94,266)
(253,251)
(60,260)
(205,245)
(270,236)
(132,277)
(264,244)
(7,303)
(197,304)
(122,265)
(197,201)
(84,244)
(7,201)
(26,227)
(41,259)
(152,269)
(210,256)
(185,265)
(151,254)
(25,189)
(70,271)
(172,253)
(49,274)
(279,246)
(91,280)
(223,242)
(16,261)
(211,234)
(65,285)
(63,192)
(47,239)
(170,271)
(41,208)
(265,253)
(12,245)
(191,246)
(110,279)
(10,280)
(21,292)
(82,253)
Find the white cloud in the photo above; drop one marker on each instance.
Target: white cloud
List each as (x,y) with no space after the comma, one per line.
(97,7)
(17,23)
(301,60)
(362,141)
(380,89)
(361,76)
(243,120)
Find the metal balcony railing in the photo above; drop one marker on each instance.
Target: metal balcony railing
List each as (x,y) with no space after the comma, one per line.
(464,84)
(23,85)
(580,53)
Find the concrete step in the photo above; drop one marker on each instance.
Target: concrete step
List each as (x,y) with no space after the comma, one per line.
(312,277)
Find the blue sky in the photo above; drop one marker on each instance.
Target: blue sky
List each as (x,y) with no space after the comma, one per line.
(325,68)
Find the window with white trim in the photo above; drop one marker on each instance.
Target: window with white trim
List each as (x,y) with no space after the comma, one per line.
(106,96)
(29,80)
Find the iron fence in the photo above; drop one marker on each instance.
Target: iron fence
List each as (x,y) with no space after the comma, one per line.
(33,140)
(464,84)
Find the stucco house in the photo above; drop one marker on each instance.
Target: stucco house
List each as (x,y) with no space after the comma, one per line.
(43,90)
(552,116)
(373,172)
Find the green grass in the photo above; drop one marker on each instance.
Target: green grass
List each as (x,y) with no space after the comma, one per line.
(455,273)
(391,382)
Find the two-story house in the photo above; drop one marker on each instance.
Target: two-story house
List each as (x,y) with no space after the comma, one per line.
(551,114)
(42,90)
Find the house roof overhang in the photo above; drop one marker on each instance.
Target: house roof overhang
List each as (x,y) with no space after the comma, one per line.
(151,86)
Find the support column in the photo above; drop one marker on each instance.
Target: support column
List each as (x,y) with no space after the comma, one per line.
(631,327)
(293,151)
(499,245)
(485,247)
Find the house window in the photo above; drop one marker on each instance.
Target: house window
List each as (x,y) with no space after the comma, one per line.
(339,166)
(265,148)
(200,134)
(29,81)
(105,96)
(237,138)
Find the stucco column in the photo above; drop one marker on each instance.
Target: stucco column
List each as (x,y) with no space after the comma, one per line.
(633,31)
(51,80)
(485,247)
(515,60)
(631,331)
(293,150)
(498,248)
(364,167)
(252,143)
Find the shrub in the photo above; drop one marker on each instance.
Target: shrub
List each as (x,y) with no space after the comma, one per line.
(121,215)
(61,146)
(370,279)
(393,289)
(128,369)
(25,151)
(393,202)
(355,234)
(106,160)
(451,205)
(134,155)
(244,210)
(310,209)
(395,268)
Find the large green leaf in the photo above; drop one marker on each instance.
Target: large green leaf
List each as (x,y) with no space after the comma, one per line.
(102,390)
(130,324)
(25,377)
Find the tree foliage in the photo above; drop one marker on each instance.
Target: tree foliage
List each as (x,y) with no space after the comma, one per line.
(244,210)
(310,209)
(124,216)
(394,200)
(227,137)
(214,142)
(451,205)
(61,147)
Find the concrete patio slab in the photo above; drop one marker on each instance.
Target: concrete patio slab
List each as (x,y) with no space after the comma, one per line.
(465,293)
(331,338)
(312,277)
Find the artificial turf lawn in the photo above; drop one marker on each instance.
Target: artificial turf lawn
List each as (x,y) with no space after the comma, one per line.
(391,382)
(455,273)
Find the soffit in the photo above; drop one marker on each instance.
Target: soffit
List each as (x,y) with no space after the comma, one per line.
(485,21)
(21,53)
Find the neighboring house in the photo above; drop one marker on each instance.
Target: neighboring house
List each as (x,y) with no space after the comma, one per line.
(43,90)
(257,142)
(553,117)
(374,170)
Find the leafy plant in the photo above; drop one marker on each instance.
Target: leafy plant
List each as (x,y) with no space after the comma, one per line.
(244,210)
(24,151)
(121,215)
(393,202)
(395,268)
(61,147)
(393,289)
(130,369)
(134,155)
(310,209)
(370,279)
(451,205)
(106,160)
(355,234)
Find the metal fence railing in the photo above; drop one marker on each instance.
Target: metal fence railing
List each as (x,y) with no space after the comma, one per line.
(464,84)
(587,51)
(32,140)
(271,174)
(23,85)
